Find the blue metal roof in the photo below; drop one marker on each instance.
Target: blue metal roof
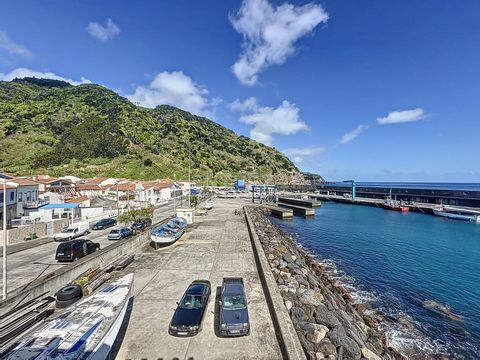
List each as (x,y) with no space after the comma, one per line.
(61,206)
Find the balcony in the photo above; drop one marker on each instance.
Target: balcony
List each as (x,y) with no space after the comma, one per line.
(34,204)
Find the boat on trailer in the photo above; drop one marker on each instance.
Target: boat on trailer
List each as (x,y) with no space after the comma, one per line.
(87,330)
(458,213)
(169,233)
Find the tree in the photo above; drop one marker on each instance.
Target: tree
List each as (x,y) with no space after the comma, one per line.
(135,215)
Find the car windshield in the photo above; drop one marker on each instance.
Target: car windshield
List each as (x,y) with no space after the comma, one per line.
(69,231)
(234,302)
(191,302)
(114,231)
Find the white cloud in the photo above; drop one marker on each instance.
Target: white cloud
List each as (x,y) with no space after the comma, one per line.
(176,89)
(284,119)
(24,72)
(299,153)
(396,117)
(12,47)
(103,33)
(269,34)
(351,135)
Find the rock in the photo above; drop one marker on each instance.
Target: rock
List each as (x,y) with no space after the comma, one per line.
(301,280)
(297,314)
(369,354)
(325,317)
(288,304)
(309,297)
(288,257)
(338,337)
(317,335)
(319,356)
(285,275)
(271,257)
(280,249)
(326,347)
(283,289)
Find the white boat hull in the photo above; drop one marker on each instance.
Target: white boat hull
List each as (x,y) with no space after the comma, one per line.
(456,216)
(87,331)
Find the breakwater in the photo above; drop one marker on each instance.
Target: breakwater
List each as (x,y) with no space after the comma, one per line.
(328,323)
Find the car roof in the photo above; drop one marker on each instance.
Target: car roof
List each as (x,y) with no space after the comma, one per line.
(233,288)
(196,288)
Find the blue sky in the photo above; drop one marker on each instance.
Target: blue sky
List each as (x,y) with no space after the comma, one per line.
(369,90)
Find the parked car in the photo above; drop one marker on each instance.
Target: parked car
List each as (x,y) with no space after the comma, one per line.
(75,249)
(141,224)
(73,231)
(104,223)
(118,234)
(188,316)
(233,316)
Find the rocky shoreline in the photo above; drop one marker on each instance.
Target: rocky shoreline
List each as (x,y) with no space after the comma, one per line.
(328,323)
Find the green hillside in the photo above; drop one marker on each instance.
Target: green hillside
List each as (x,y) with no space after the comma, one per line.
(52,127)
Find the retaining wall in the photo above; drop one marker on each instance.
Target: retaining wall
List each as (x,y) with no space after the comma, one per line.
(16,235)
(287,336)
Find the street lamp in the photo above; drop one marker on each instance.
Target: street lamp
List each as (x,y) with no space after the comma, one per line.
(4,277)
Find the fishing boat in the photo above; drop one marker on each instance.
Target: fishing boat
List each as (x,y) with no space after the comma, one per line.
(390,204)
(169,233)
(87,330)
(457,213)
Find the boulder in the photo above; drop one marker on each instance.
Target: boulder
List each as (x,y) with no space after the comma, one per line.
(319,356)
(317,336)
(326,347)
(297,314)
(309,297)
(326,317)
(339,337)
(369,354)
(301,280)
(288,304)
(288,257)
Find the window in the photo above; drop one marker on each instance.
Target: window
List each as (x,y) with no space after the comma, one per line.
(12,196)
(20,196)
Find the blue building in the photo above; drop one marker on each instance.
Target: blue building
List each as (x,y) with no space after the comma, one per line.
(239,184)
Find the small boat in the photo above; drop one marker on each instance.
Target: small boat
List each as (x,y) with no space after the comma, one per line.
(457,213)
(169,233)
(87,330)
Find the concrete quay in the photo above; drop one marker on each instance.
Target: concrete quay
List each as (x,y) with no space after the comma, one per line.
(215,246)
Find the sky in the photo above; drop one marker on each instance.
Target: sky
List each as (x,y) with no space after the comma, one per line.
(352,89)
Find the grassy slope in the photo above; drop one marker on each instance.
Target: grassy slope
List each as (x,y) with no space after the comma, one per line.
(88,130)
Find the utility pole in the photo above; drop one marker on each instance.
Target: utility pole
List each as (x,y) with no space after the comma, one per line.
(4,292)
(118,209)
(189,177)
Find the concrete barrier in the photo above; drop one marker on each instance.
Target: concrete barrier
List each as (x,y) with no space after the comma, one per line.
(55,280)
(286,334)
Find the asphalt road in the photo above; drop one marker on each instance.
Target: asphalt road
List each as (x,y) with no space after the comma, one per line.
(24,266)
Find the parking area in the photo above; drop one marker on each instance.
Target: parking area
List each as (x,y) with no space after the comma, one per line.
(216,246)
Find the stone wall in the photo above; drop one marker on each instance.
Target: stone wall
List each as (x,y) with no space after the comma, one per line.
(17,235)
(328,323)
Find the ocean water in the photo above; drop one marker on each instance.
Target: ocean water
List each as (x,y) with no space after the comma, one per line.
(421,272)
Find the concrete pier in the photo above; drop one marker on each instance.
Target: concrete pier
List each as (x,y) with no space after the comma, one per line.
(309,203)
(283,213)
(300,210)
(215,246)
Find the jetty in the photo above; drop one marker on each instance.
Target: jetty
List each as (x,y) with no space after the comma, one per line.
(283,213)
(308,203)
(300,210)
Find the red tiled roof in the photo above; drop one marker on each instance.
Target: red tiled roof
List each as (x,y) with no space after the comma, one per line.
(80,187)
(95,180)
(24,181)
(77,200)
(123,187)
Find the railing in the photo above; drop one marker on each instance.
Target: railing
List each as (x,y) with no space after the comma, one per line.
(34,204)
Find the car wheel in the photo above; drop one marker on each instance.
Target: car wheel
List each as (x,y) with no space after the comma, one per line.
(61,304)
(97,249)
(69,292)
(74,259)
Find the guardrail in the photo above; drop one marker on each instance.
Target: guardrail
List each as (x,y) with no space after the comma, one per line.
(52,282)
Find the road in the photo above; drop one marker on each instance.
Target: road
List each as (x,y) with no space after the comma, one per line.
(24,266)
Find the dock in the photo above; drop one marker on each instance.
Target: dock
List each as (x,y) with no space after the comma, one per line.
(283,213)
(300,210)
(308,203)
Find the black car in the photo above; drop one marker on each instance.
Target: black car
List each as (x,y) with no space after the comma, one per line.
(187,320)
(104,223)
(233,316)
(141,224)
(75,249)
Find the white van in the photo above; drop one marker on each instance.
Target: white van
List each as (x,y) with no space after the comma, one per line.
(73,231)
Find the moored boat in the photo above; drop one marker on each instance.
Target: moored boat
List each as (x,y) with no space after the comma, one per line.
(390,204)
(457,213)
(86,331)
(169,233)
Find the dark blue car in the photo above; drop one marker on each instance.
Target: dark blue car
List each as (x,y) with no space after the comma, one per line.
(233,317)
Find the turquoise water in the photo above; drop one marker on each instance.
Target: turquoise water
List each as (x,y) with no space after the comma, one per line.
(395,262)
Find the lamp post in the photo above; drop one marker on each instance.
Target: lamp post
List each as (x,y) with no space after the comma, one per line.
(189,178)
(4,280)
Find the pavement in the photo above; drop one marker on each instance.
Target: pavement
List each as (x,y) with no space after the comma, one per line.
(215,246)
(39,258)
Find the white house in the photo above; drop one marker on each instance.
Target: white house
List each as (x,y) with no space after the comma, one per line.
(154,192)
(90,190)
(11,194)
(27,195)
